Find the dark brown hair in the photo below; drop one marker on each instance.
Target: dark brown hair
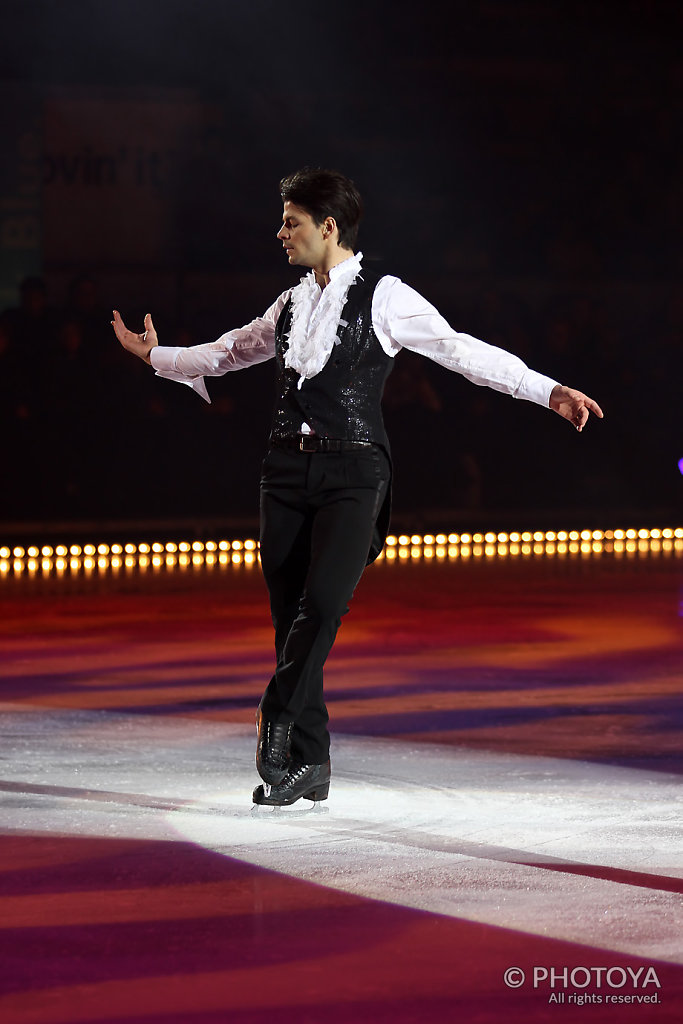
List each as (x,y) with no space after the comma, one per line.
(323,193)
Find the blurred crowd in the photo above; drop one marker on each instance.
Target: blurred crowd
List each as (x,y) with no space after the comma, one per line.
(519,458)
(89,432)
(522,168)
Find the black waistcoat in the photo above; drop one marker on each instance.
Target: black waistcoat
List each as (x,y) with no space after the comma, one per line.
(343,400)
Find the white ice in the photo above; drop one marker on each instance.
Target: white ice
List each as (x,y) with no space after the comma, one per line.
(534,844)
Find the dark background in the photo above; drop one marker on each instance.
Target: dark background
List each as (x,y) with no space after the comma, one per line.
(521,166)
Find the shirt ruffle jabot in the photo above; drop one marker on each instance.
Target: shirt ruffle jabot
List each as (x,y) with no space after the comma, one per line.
(316,318)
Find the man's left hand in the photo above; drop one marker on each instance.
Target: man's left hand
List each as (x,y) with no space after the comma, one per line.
(573,405)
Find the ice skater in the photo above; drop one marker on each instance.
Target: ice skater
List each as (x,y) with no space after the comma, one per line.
(326,477)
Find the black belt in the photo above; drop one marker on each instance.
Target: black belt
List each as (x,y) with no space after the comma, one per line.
(313,443)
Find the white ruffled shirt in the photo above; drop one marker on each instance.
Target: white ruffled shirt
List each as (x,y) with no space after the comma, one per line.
(401,318)
(316,318)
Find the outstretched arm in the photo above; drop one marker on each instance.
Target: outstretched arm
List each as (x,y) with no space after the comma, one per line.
(402,318)
(573,405)
(139,344)
(253,343)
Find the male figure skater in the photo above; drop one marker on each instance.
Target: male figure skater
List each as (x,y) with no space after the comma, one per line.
(326,477)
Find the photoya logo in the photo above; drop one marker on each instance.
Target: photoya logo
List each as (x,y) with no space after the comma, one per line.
(562,978)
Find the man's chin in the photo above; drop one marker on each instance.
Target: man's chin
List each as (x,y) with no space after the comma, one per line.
(297,261)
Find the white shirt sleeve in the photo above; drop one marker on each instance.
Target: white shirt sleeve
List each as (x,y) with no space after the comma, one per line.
(253,343)
(402,318)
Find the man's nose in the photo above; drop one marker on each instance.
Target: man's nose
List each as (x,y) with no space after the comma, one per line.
(281,233)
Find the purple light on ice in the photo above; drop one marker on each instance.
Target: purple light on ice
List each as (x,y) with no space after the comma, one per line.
(680,465)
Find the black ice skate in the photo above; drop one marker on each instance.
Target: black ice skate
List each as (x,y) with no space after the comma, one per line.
(272,749)
(310,781)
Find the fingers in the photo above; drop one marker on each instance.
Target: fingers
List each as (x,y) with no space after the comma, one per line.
(586,405)
(594,407)
(117,323)
(139,344)
(577,408)
(149,326)
(577,415)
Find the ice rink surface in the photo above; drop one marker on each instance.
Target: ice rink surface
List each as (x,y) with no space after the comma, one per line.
(566,849)
(506,797)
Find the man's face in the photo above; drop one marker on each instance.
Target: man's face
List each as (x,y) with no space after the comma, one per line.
(301,237)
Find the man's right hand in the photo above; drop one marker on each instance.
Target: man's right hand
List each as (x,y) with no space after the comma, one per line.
(139,344)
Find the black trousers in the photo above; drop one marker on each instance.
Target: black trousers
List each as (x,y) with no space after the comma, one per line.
(318,511)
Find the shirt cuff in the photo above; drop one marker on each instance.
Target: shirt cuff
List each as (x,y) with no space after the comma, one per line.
(535,387)
(163,359)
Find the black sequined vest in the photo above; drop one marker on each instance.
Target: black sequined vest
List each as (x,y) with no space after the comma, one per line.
(343,400)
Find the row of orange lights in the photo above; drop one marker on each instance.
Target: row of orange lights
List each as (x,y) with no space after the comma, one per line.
(538,536)
(141,556)
(539,542)
(245,552)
